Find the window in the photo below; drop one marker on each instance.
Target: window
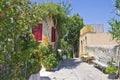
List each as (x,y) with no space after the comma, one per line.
(53,34)
(37,32)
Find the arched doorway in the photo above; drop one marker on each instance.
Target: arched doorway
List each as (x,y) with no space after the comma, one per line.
(81,49)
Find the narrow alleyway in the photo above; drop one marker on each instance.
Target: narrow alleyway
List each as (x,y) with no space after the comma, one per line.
(74,69)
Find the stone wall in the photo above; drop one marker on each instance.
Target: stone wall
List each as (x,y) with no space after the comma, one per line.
(105,53)
(96,39)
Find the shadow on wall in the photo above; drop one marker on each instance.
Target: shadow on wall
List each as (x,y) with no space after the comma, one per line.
(69,63)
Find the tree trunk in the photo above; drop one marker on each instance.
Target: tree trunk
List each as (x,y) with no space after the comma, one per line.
(75,54)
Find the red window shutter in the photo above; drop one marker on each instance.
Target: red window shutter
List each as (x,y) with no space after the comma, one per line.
(36,35)
(37,32)
(53,34)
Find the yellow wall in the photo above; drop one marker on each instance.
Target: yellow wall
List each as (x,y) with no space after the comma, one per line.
(96,39)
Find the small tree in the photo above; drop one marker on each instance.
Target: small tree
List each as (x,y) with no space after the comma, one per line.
(115,23)
(115,29)
(75,23)
(115,26)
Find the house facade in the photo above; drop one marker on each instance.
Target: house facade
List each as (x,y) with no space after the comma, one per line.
(96,39)
(97,43)
(45,32)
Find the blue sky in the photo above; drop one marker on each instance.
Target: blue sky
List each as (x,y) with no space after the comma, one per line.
(93,11)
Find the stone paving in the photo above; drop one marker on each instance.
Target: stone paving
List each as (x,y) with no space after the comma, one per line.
(74,69)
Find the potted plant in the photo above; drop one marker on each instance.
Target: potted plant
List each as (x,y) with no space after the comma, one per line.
(111,70)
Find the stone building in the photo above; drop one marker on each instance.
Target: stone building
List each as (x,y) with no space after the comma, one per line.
(96,42)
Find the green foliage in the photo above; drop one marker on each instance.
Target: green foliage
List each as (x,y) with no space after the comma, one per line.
(64,46)
(110,69)
(75,23)
(115,23)
(115,29)
(69,55)
(45,50)
(25,62)
(117,5)
(15,20)
(19,53)
(48,58)
(50,61)
(30,54)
